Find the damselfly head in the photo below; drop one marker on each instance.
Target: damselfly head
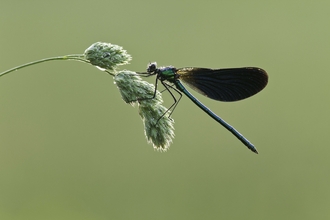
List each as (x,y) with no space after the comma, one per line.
(152,67)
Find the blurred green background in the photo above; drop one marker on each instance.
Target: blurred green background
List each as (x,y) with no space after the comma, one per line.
(70,148)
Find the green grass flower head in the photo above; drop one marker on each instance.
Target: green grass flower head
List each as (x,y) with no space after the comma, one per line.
(107,56)
(158,128)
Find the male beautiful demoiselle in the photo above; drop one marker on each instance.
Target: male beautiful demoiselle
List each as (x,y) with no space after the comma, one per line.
(226,85)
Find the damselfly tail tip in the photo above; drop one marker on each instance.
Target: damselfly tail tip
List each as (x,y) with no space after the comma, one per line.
(254,150)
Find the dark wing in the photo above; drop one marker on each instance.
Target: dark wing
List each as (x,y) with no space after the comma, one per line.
(225,84)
